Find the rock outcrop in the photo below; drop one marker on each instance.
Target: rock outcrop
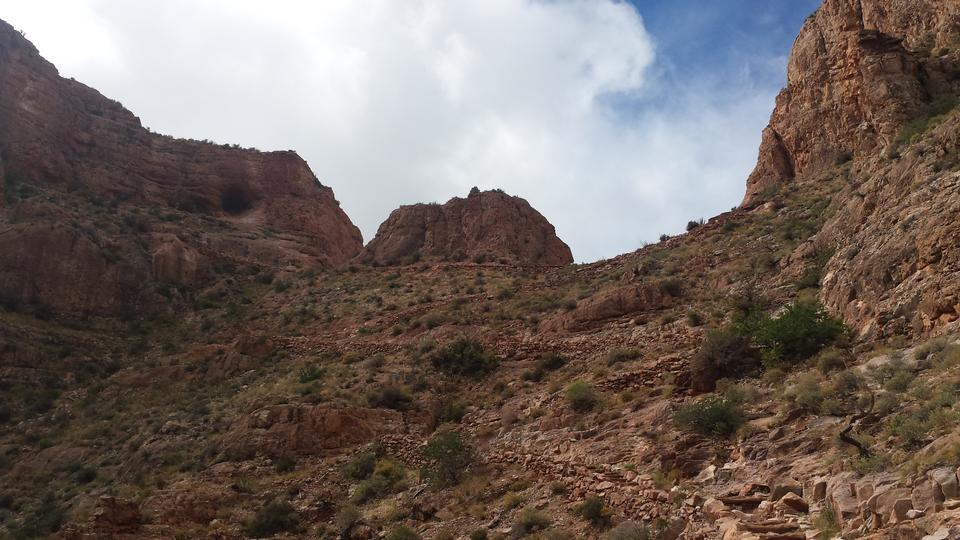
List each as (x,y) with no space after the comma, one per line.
(489,225)
(859,71)
(64,143)
(870,106)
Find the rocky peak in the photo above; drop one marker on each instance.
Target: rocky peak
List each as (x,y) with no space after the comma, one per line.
(181,207)
(858,72)
(486,225)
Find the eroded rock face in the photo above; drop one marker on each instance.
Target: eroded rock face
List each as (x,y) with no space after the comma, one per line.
(489,225)
(283,430)
(63,138)
(859,70)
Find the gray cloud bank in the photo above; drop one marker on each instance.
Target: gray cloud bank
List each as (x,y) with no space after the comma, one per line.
(394,102)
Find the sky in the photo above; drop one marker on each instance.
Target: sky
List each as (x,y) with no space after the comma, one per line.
(619,121)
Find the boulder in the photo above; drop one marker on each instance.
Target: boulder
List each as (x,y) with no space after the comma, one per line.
(946,479)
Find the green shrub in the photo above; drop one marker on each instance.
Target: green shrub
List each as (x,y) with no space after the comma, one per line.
(387,477)
(530,520)
(449,454)
(723,353)
(710,416)
(581,396)
(545,364)
(309,373)
(594,510)
(40,520)
(830,360)
(452,411)
(694,318)
(346,518)
(479,534)
(807,392)
(801,331)
(827,522)
(285,464)
(464,357)
(397,398)
(275,517)
(403,532)
(361,466)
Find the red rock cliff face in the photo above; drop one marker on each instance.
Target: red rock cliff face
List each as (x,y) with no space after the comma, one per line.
(870,106)
(859,70)
(486,225)
(65,140)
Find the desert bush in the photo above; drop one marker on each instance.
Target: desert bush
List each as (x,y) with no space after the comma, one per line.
(827,522)
(739,393)
(694,318)
(530,520)
(930,348)
(710,416)
(723,353)
(309,373)
(285,464)
(452,411)
(831,359)
(361,466)
(275,517)
(346,518)
(40,520)
(397,398)
(402,532)
(616,356)
(594,510)
(387,477)
(691,225)
(464,357)
(807,392)
(581,396)
(631,530)
(449,454)
(801,331)
(543,365)
(479,534)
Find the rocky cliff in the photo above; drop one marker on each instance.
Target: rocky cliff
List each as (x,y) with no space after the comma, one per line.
(859,71)
(869,113)
(177,207)
(488,225)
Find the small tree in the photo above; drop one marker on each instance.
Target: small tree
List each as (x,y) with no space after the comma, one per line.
(449,454)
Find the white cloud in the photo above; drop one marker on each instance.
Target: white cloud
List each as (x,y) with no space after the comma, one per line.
(394,102)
